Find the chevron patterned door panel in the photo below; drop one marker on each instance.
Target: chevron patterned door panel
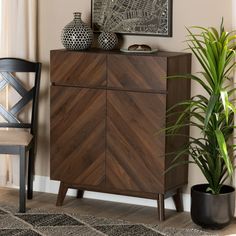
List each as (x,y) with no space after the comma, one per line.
(135,147)
(78,135)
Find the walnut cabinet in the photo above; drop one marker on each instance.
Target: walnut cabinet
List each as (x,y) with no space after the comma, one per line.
(107,110)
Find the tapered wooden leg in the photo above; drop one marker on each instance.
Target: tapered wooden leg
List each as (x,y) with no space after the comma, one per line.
(80,193)
(178,200)
(61,194)
(22,179)
(161,207)
(30,174)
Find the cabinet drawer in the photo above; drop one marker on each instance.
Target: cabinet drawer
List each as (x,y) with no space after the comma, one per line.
(78,69)
(138,73)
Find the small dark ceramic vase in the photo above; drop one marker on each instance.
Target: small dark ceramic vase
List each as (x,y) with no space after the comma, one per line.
(107,40)
(77,35)
(212,211)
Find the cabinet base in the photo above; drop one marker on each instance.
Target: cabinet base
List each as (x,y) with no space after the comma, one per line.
(177,197)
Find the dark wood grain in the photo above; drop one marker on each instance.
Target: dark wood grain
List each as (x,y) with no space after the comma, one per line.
(61,193)
(178,90)
(135,149)
(72,68)
(114,190)
(178,201)
(78,135)
(137,72)
(161,207)
(106,122)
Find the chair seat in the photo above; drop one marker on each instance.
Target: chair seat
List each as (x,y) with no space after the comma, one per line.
(15,137)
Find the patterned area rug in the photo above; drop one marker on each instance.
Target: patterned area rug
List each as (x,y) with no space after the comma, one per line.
(39,222)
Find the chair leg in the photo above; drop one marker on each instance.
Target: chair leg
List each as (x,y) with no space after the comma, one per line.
(22,179)
(30,174)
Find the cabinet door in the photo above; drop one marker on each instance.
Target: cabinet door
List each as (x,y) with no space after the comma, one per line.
(135,147)
(78,135)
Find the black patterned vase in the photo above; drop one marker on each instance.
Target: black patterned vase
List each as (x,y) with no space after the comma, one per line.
(107,40)
(77,35)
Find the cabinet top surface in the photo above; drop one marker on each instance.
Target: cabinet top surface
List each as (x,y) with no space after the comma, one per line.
(96,50)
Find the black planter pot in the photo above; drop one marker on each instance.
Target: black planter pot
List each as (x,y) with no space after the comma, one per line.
(212,211)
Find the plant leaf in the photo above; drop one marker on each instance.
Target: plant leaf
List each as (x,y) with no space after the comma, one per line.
(225,101)
(223,150)
(212,102)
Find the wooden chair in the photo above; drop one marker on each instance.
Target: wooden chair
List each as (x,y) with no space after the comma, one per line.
(20,137)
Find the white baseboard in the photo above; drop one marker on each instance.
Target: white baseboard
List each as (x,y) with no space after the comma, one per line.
(44,184)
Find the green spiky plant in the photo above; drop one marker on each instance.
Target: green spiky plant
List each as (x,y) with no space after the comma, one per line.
(212,112)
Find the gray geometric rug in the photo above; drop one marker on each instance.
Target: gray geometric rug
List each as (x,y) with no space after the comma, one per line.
(38,222)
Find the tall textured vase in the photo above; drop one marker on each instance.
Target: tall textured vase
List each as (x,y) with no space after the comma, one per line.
(77,35)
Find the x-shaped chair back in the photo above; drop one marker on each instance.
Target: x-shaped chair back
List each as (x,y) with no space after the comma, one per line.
(8,66)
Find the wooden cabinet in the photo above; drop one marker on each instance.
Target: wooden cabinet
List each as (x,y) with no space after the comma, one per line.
(107,110)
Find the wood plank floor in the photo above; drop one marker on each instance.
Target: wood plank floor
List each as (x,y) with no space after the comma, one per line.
(132,213)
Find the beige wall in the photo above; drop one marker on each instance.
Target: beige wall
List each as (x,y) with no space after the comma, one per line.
(55,14)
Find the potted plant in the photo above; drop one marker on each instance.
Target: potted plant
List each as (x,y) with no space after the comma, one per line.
(211,112)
